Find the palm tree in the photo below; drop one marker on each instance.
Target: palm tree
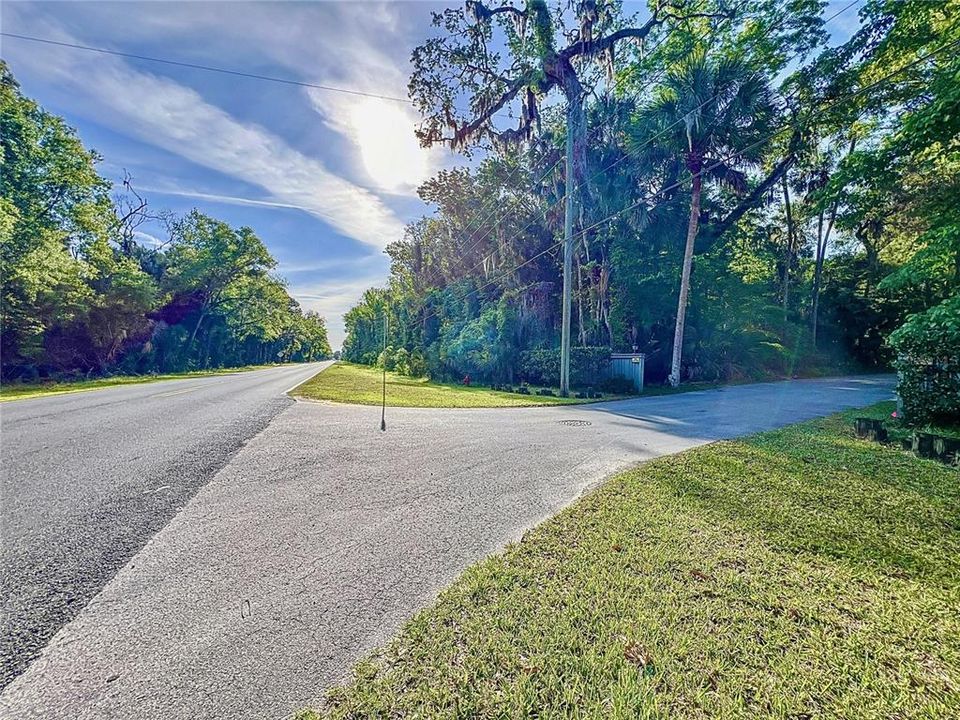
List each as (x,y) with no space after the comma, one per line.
(713,116)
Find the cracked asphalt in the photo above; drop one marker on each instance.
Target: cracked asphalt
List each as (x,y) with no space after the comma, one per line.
(319,537)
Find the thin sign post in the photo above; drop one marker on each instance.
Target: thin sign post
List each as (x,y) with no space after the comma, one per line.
(383,407)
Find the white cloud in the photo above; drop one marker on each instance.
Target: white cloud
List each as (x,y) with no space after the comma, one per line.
(229,199)
(177,119)
(339,264)
(361,46)
(332,300)
(147,239)
(382,132)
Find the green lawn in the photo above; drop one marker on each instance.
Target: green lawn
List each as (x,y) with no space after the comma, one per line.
(22,391)
(799,573)
(362,385)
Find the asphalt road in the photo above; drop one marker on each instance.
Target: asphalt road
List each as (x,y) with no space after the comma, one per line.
(87,478)
(322,535)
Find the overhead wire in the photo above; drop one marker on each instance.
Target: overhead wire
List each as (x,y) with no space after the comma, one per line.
(212,68)
(708,168)
(290,81)
(207,68)
(624,157)
(636,95)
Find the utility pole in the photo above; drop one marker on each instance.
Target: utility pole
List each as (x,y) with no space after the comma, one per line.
(567,266)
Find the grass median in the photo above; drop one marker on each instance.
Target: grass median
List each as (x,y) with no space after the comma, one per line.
(362,385)
(799,573)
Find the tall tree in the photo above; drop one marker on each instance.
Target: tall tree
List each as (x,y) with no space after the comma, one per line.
(715,114)
(206,257)
(544,54)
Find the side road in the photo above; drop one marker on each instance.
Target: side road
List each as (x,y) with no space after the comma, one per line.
(322,535)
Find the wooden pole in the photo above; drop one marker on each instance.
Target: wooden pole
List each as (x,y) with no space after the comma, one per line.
(567,265)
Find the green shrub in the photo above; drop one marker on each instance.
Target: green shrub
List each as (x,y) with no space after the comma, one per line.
(401,361)
(540,366)
(417,365)
(588,365)
(618,386)
(385,358)
(928,348)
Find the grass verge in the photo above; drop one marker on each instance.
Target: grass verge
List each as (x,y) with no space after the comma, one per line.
(361,385)
(799,573)
(23,391)
(900,432)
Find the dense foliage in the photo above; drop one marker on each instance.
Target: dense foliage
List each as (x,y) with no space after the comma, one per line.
(805,195)
(79,295)
(542,366)
(929,364)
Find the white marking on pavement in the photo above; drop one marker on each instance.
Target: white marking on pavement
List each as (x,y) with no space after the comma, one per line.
(180,392)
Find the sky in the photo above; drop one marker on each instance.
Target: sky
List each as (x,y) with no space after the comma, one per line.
(325,179)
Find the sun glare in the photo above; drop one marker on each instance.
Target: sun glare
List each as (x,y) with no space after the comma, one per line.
(390,151)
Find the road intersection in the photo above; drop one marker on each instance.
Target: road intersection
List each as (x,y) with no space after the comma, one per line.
(318,536)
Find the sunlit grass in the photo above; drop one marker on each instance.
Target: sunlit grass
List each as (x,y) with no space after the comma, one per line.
(798,573)
(362,385)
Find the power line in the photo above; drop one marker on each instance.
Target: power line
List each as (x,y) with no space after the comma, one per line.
(636,151)
(703,170)
(653,79)
(215,69)
(208,68)
(286,81)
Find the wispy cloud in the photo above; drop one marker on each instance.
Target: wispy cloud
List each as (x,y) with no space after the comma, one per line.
(229,199)
(339,264)
(306,153)
(332,300)
(176,118)
(147,239)
(363,48)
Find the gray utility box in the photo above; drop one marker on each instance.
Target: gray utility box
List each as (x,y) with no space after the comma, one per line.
(628,365)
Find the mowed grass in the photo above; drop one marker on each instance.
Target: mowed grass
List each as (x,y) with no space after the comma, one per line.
(362,385)
(23,391)
(799,573)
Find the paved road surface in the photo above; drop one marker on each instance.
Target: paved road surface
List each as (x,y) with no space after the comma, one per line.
(86,479)
(322,535)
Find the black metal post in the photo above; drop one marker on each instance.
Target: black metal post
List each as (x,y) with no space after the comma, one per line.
(383,407)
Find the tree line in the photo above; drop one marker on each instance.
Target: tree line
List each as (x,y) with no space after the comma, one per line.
(81,295)
(749,200)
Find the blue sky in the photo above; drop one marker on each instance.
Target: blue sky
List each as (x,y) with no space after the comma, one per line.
(325,179)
